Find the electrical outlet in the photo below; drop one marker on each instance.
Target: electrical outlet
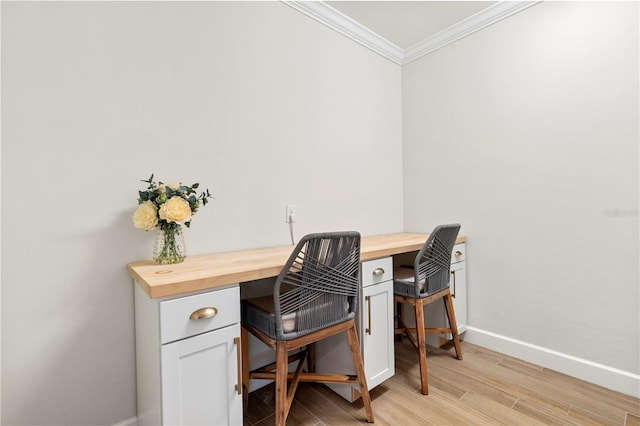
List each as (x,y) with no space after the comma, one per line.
(291,214)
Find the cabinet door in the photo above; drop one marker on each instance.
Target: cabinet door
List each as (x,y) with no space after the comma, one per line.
(458,286)
(200,376)
(377,333)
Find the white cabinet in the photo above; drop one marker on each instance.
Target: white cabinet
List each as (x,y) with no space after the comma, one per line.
(187,355)
(375,332)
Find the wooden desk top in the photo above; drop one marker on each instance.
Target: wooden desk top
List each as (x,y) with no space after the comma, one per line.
(215,270)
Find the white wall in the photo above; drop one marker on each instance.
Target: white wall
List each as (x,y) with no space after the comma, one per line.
(255,101)
(527,134)
(538,115)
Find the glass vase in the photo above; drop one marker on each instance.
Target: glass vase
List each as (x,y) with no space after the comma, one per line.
(169,246)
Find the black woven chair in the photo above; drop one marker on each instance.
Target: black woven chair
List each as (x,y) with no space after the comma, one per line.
(314,297)
(426,281)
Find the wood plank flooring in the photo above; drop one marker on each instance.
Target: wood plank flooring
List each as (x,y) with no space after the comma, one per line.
(485,388)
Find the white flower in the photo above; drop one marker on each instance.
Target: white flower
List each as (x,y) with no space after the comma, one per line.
(162,188)
(146,216)
(176,209)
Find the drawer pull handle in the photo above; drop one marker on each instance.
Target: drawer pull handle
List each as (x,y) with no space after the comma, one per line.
(236,341)
(203,313)
(377,272)
(453,275)
(458,253)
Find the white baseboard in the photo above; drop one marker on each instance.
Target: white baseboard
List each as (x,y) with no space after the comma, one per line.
(599,374)
(132,421)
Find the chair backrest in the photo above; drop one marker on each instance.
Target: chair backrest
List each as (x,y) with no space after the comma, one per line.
(318,286)
(433,262)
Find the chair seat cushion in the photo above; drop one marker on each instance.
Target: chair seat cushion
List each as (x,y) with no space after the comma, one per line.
(404,284)
(259,312)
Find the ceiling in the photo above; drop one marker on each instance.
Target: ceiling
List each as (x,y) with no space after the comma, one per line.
(403,31)
(405,23)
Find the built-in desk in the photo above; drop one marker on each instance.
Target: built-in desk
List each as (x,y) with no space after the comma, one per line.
(188,326)
(205,272)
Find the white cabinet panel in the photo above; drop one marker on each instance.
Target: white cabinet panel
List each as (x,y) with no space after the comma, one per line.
(175,313)
(459,253)
(377,333)
(377,271)
(459,294)
(200,379)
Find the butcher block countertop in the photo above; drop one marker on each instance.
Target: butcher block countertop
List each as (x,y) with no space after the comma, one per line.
(202,272)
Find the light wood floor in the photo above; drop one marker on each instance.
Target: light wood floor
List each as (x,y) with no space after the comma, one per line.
(486,388)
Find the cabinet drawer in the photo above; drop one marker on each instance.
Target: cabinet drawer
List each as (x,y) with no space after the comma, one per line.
(175,322)
(377,271)
(459,253)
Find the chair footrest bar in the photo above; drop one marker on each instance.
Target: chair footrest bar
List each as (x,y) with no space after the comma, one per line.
(437,330)
(426,330)
(310,377)
(271,367)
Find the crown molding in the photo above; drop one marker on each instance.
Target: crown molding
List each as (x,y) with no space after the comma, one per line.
(470,25)
(343,24)
(346,26)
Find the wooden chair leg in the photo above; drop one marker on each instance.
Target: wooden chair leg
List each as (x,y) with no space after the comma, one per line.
(311,358)
(244,342)
(448,304)
(402,328)
(399,320)
(281,384)
(422,347)
(357,362)
(293,386)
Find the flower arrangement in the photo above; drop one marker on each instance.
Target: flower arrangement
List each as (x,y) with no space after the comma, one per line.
(166,208)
